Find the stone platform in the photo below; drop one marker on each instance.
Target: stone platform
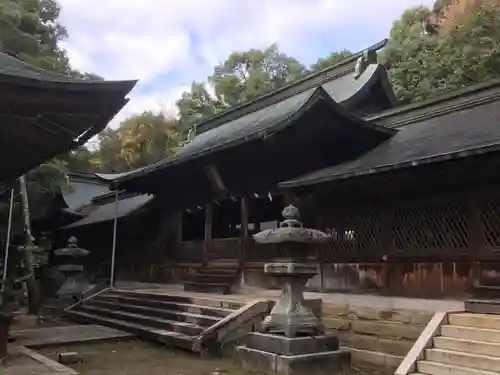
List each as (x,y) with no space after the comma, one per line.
(41,337)
(298,355)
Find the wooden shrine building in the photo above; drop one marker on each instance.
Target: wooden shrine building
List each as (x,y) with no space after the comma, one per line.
(409,193)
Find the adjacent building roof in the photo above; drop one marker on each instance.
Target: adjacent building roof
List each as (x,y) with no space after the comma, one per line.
(450,126)
(108,211)
(88,196)
(43,113)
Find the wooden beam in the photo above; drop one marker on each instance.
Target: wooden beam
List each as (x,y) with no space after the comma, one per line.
(208,230)
(215,179)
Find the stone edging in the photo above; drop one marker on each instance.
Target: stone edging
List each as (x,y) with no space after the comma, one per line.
(53,366)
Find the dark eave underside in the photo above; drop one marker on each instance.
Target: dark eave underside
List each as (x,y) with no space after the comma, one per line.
(461,127)
(43,114)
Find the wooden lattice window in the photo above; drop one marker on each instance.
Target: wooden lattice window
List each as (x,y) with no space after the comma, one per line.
(490,218)
(353,233)
(430,227)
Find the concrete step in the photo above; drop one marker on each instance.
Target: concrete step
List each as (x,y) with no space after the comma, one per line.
(467,346)
(470,333)
(145,332)
(212,278)
(483,306)
(217,288)
(487,321)
(195,300)
(172,306)
(434,368)
(158,323)
(217,270)
(460,359)
(201,320)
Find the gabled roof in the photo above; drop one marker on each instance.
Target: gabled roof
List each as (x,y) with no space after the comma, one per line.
(338,81)
(449,126)
(89,196)
(107,211)
(43,114)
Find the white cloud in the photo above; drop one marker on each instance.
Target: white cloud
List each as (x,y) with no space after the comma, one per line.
(146,39)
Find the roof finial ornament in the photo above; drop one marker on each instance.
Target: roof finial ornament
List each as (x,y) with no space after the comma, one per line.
(367,58)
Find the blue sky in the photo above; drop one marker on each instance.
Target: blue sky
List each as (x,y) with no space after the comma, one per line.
(167,44)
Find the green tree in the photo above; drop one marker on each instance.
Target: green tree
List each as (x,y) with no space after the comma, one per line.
(139,141)
(243,77)
(332,59)
(464,50)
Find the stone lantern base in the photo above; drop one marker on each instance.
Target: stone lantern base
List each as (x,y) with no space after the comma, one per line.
(311,355)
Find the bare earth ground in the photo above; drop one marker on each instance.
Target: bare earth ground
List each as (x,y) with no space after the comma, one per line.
(140,358)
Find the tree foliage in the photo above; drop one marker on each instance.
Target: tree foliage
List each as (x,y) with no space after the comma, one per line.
(139,141)
(464,50)
(330,60)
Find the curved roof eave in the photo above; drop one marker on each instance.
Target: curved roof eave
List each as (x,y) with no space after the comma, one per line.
(378,75)
(15,71)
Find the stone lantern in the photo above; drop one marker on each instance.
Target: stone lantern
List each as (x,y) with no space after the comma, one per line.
(70,264)
(293,339)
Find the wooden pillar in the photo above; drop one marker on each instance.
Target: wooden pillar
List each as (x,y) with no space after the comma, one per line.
(208,231)
(244,229)
(178,219)
(475,235)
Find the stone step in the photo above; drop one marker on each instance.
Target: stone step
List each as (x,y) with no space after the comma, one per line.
(169,325)
(217,270)
(195,300)
(172,306)
(483,306)
(201,320)
(143,331)
(372,342)
(460,359)
(212,278)
(470,333)
(475,320)
(467,346)
(434,368)
(217,288)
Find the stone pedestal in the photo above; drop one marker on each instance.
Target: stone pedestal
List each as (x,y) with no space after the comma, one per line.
(309,355)
(293,341)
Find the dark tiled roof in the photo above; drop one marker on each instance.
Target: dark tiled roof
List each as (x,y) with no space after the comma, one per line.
(453,129)
(342,71)
(107,211)
(266,120)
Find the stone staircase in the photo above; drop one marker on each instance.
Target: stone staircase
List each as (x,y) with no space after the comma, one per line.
(469,344)
(182,321)
(216,277)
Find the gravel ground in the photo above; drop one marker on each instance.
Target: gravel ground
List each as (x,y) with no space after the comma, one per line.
(139,358)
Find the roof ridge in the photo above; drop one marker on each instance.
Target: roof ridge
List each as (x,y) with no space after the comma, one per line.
(448,101)
(272,97)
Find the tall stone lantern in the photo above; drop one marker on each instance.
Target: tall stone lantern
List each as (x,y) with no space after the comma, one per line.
(293,339)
